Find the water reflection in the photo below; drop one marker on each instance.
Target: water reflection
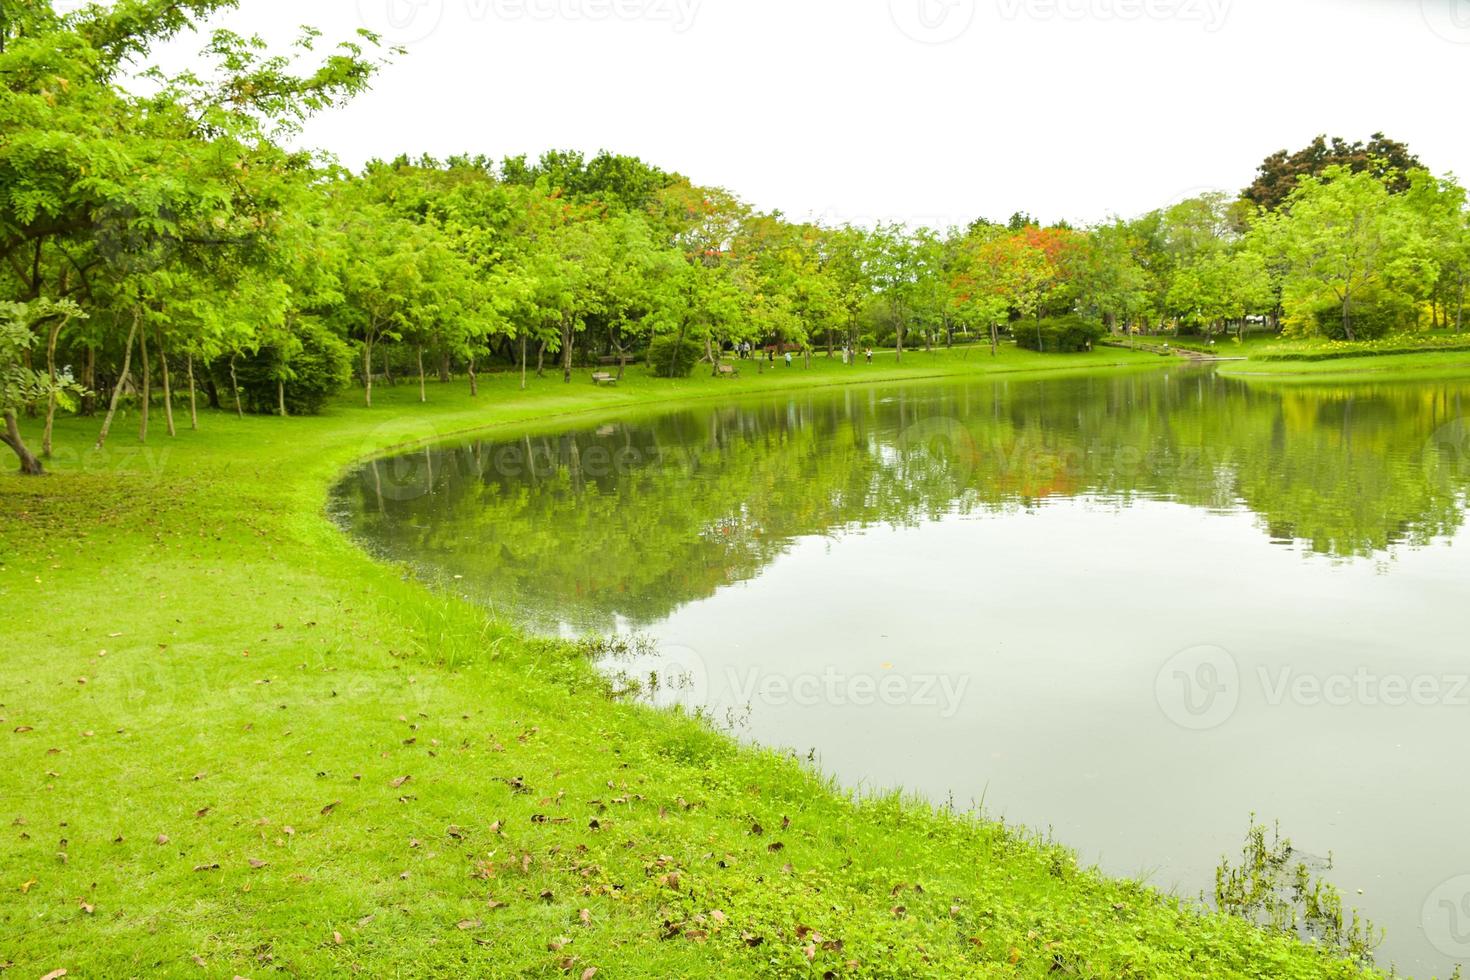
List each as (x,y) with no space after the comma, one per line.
(627,521)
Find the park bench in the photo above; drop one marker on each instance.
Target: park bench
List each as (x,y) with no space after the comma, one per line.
(728,371)
(603,378)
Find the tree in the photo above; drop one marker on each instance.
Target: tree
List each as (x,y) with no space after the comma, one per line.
(1281,172)
(1345,236)
(22,386)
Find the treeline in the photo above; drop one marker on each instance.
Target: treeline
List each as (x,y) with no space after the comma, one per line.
(161,246)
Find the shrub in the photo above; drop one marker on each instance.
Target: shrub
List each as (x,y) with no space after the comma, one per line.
(1057,334)
(318,366)
(1372,317)
(666,363)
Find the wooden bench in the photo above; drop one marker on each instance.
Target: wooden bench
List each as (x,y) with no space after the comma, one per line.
(728,371)
(603,378)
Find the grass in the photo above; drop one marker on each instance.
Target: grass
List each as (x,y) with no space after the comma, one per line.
(231,744)
(1427,365)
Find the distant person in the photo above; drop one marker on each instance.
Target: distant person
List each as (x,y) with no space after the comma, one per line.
(870,355)
(788,358)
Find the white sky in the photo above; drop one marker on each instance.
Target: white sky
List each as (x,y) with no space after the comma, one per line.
(929,111)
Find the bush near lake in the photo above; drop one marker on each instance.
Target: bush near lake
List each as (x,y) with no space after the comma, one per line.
(670,356)
(300,371)
(1058,334)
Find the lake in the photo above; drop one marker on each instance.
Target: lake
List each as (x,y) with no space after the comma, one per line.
(1129,610)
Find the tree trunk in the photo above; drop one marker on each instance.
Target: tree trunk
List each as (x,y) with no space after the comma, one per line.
(994,338)
(1347,319)
(367,371)
(89,382)
(168,391)
(122,379)
(281,396)
(541,359)
(235,384)
(193,397)
(29,464)
(474,379)
(51,396)
(523,362)
(899,359)
(444,367)
(147,385)
(423,394)
(566,351)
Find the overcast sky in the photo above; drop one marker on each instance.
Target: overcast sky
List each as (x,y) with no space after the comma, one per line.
(928,111)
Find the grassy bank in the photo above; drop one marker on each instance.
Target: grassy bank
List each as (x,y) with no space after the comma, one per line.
(232,744)
(1421,366)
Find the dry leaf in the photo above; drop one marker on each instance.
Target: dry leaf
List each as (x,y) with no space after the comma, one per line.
(468,924)
(337,938)
(589,973)
(55,975)
(161,839)
(258,863)
(25,886)
(586,916)
(330,807)
(400,781)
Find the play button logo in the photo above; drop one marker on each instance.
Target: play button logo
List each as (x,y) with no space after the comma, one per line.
(932,21)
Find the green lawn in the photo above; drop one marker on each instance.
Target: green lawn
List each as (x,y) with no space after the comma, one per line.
(1425,366)
(233,745)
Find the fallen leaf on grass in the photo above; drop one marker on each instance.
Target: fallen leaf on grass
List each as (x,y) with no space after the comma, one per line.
(400,781)
(84,906)
(586,916)
(206,867)
(330,807)
(337,938)
(589,973)
(25,886)
(257,863)
(55,975)
(23,729)
(468,924)
(161,839)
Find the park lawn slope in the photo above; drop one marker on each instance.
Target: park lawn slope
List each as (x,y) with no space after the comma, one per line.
(231,744)
(1423,366)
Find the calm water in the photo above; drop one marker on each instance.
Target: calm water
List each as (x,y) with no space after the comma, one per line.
(1129,609)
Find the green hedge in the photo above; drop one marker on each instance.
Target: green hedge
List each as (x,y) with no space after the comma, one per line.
(1057,334)
(666,364)
(317,370)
